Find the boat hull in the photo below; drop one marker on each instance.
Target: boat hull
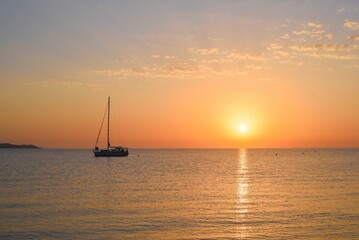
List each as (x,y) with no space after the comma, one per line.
(111,153)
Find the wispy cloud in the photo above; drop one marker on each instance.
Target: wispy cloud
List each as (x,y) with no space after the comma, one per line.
(253,67)
(312,30)
(302,32)
(293,47)
(315,25)
(248,56)
(313,40)
(184,71)
(61,83)
(207,51)
(285,54)
(181,69)
(314,47)
(321,47)
(196,63)
(343,10)
(329,36)
(225,56)
(216,60)
(166,57)
(285,36)
(331,56)
(292,62)
(354,38)
(275,46)
(316,33)
(354,25)
(122,72)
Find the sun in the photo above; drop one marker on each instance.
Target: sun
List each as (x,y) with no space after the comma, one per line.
(243,128)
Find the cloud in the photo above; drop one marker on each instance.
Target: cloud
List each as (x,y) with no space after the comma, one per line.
(275,46)
(200,63)
(166,57)
(247,56)
(315,25)
(285,36)
(61,83)
(329,36)
(315,47)
(313,40)
(268,80)
(224,56)
(283,53)
(252,67)
(331,56)
(354,38)
(303,32)
(228,73)
(316,33)
(181,69)
(122,72)
(217,60)
(318,51)
(352,25)
(308,32)
(343,10)
(169,57)
(321,47)
(72,84)
(291,62)
(207,51)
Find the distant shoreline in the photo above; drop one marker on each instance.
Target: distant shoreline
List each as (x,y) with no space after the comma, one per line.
(9,145)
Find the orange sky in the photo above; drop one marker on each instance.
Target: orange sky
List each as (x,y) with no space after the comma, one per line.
(180,74)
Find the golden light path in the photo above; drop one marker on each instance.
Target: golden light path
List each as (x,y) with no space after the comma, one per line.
(242,191)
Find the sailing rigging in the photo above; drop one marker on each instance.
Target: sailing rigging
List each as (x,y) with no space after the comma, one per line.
(110,151)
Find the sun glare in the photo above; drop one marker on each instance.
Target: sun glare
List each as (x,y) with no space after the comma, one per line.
(242,128)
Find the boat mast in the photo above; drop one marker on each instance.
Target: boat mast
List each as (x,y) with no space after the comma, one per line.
(108,124)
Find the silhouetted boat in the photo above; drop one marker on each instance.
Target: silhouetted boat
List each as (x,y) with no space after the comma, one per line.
(110,151)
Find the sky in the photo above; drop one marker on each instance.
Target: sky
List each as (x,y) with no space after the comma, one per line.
(181,74)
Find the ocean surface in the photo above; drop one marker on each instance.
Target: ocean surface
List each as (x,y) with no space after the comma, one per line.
(180,194)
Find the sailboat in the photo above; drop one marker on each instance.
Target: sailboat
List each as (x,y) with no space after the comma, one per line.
(110,151)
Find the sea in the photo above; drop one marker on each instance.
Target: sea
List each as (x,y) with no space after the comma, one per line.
(180,194)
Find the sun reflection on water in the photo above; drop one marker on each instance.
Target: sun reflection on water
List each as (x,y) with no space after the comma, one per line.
(242,191)
(242,176)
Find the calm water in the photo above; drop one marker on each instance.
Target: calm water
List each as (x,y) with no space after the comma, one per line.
(180,194)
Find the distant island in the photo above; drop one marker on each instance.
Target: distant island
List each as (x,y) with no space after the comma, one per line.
(9,145)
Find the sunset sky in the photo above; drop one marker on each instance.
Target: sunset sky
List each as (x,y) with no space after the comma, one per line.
(181,74)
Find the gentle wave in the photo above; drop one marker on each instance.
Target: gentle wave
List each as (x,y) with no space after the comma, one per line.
(180,194)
